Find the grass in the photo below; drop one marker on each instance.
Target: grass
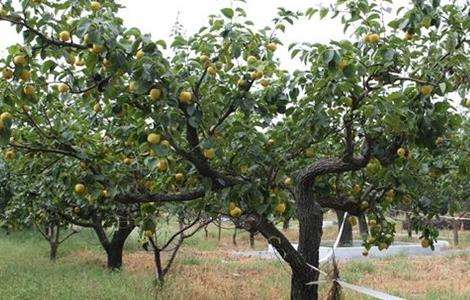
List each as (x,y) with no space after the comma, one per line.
(206,269)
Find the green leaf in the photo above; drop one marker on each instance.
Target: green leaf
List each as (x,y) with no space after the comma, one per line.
(228,12)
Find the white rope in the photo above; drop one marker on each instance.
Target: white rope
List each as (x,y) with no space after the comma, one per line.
(338,238)
(368,291)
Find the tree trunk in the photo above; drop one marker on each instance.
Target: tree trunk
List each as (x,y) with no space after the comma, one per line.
(310,219)
(252,240)
(114,253)
(408,220)
(455,231)
(363,227)
(234,236)
(53,251)
(346,238)
(52,233)
(160,276)
(301,271)
(219,233)
(114,248)
(285,224)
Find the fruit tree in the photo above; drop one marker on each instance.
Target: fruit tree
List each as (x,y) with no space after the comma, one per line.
(211,121)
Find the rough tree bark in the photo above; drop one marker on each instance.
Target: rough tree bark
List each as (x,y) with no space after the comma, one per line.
(302,273)
(408,220)
(234,236)
(285,224)
(455,230)
(252,240)
(115,246)
(52,233)
(310,218)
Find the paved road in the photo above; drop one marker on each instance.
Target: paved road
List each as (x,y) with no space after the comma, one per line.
(355,253)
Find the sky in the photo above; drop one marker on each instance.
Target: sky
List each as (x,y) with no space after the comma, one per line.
(158,17)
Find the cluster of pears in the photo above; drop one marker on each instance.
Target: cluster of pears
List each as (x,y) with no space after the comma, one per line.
(404,153)
(24,74)
(381,234)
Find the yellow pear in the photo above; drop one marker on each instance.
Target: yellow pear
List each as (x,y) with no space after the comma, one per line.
(155,94)
(280,208)
(107,63)
(265,82)
(63,88)
(29,90)
(204,58)
(139,54)
(212,71)
(271,46)
(153,138)
(80,188)
(372,38)
(236,212)
(10,154)
(19,60)
(104,193)
(162,165)
(128,161)
(185,97)
(242,83)
(251,60)
(256,75)
(64,36)
(25,75)
(209,153)
(401,152)
(7,74)
(426,90)
(357,188)
(95,6)
(6,116)
(179,177)
(97,108)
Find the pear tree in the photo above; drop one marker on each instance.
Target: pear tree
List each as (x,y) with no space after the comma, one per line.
(212,122)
